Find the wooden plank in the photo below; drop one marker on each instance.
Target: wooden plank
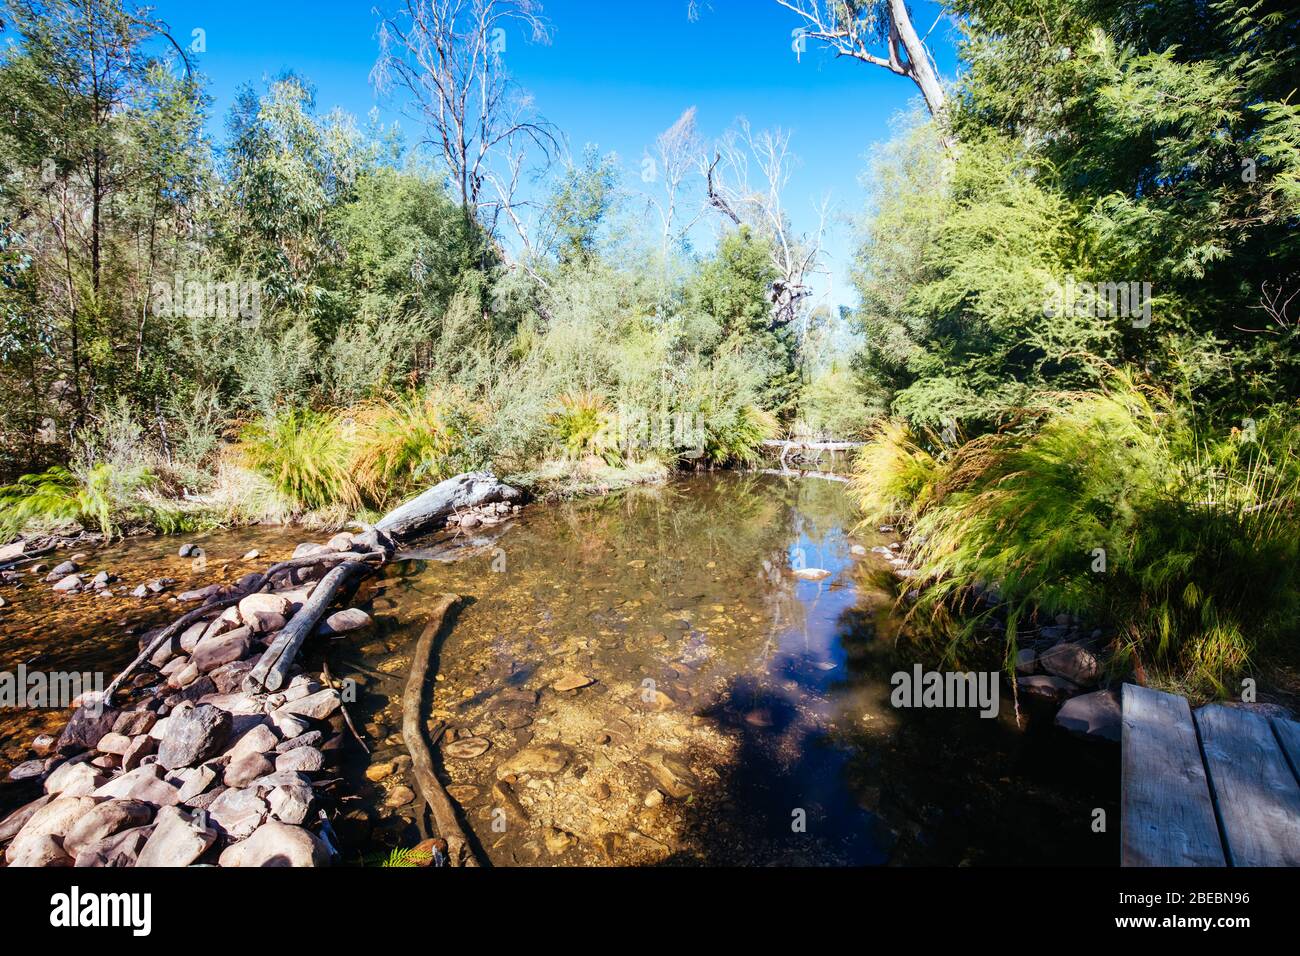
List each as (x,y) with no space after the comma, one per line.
(1255,791)
(1288,735)
(1166,816)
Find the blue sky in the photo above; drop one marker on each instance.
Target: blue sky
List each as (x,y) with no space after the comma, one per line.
(615,75)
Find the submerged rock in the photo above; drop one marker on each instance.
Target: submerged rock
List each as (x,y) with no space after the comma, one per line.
(1092,715)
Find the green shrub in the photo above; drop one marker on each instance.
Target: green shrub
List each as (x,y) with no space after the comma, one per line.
(1116,509)
(582,425)
(307,455)
(416,438)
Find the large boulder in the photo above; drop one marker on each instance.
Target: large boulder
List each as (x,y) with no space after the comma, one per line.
(277,844)
(193,735)
(1074,662)
(430,510)
(1092,715)
(119,850)
(177,840)
(54,819)
(109,817)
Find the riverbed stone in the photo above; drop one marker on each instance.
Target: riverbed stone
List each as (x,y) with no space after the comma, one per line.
(288,725)
(54,819)
(143,783)
(290,804)
(300,759)
(27,770)
(237,813)
(467,748)
(74,778)
(1074,662)
(11,824)
(672,774)
(264,612)
(114,743)
(212,652)
(141,747)
(200,594)
(1048,688)
(40,851)
(178,839)
(104,820)
(193,735)
(572,682)
(192,781)
(317,706)
(539,758)
(399,796)
(811,574)
(131,723)
(277,844)
(311,738)
(247,767)
(1096,715)
(85,728)
(345,621)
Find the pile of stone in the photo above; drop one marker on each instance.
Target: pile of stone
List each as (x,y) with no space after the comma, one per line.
(198,769)
(483,516)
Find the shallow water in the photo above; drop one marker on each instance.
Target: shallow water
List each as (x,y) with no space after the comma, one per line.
(750,707)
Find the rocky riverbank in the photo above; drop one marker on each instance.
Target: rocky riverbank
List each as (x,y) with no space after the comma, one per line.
(1061,662)
(214,751)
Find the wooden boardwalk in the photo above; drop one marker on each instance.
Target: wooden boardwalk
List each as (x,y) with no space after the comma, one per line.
(1218,787)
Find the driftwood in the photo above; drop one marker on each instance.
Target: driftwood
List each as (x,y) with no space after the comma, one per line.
(272,670)
(430,510)
(27,558)
(200,613)
(329,682)
(426,781)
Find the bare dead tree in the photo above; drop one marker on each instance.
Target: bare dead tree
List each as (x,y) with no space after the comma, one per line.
(678,153)
(878,32)
(447,57)
(746,181)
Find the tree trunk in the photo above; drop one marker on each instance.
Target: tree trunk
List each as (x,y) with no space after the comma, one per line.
(920,69)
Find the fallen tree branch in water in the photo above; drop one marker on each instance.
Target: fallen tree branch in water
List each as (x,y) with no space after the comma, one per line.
(272,670)
(426,781)
(200,613)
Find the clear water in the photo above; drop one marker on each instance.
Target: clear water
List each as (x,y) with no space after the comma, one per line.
(756,704)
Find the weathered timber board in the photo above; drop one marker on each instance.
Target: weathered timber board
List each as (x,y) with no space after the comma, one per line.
(1288,734)
(1255,791)
(1166,815)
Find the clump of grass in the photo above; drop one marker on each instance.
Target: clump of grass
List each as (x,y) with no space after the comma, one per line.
(416,438)
(894,475)
(737,439)
(307,455)
(99,495)
(1116,509)
(582,425)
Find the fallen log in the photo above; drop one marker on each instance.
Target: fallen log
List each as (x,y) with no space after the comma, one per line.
(270,673)
(431,509)
(426,781)
(198,614)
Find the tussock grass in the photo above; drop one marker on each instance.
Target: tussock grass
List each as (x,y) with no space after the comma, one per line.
(1117,508)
